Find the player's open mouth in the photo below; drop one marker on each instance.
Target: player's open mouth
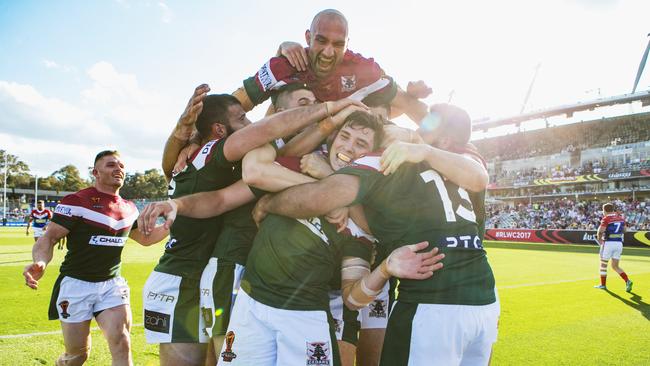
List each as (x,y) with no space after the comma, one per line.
(344,158)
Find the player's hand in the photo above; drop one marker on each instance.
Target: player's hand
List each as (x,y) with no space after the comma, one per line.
(295,54)
(149,216)
(338,217)
(402,152)
(259,211)
(418,89)
(341,115)
(316,165)
(194,106)
(339,105)
(183,156)
(32,273)
(406,262)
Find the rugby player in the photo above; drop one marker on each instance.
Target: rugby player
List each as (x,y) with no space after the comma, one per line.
(330,70)
(610,237)
(41,217)
(171,294)
(413,204)
(97,222)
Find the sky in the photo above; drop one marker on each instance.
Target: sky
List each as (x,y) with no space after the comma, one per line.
(78,77)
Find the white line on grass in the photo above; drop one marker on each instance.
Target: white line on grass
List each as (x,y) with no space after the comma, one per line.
(558,282)
(27,335)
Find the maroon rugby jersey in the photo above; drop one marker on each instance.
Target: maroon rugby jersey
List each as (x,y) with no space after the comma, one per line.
(99,225)
(353,73)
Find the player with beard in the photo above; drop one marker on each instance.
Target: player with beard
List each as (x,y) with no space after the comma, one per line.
(97,223)
(171,294)
(412,204)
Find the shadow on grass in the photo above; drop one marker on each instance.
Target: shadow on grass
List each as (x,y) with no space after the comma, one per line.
(634,302)
(573,248)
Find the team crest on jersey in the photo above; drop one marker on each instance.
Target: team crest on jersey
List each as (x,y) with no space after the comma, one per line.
(348,83)
(64,309)
(377,309)
(228,355)
(94,199)
(317,353)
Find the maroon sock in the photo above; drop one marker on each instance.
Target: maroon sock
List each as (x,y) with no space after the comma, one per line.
(624,276)
(603,279)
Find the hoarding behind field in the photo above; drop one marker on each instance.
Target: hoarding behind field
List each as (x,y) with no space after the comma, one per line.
(631,239)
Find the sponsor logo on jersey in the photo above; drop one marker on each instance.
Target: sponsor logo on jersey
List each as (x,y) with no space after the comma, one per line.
(95,199)
(170,243)
(156,322)
(317,353)
(64,309)
(63,210)
(377,309)
(108,241)
(228,355)
(348,83)
(160,297)
(463,241)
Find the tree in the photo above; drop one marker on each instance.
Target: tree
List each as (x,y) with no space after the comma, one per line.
(67,179)
(18,174)
(151,184)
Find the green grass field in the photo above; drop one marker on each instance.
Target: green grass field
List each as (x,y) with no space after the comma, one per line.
(550,312)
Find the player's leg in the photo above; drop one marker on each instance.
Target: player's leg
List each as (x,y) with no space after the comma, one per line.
(348,352)
(370,345)
(374,319)
(616,257)
(346,328)
(73,302)
(76,338)
(182,354)
(115,323)
(605,255)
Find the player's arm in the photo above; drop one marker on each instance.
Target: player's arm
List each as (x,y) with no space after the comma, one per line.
(158,233)
(280,125)
(460,169)
(600,233)
(406,103)
(260,171)
(183,130)
(198,205)
(312,136)
(360,286)
(42,253)
(311,199)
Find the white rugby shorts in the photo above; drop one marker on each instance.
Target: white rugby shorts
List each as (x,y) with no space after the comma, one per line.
(611,249)
(79,300)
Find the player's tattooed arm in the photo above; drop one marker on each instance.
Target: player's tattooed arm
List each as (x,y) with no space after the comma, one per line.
(42,253)
(460,169)
(311,199)
(183,130)
(360,286)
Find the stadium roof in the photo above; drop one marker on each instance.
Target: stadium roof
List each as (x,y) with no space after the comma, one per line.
(568,109)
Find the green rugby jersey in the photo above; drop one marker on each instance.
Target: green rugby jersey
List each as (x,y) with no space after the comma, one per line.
(292,262)
(415,204)
(191,241)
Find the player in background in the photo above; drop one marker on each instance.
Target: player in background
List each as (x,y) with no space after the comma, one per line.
(41,217)
(610,237)
(97,223)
